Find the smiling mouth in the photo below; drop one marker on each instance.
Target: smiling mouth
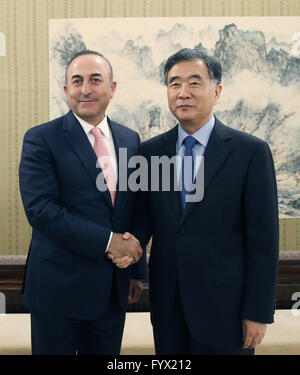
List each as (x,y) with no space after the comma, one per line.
(87,101)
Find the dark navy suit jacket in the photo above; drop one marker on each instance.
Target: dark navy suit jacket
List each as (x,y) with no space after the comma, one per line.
(222,251)
(67,271)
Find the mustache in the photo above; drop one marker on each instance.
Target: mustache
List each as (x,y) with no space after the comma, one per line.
(87,98)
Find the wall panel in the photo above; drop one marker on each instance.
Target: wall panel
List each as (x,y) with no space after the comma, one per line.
(24,81)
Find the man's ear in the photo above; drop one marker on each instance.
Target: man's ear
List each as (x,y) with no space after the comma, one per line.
(113,87)
(218,90)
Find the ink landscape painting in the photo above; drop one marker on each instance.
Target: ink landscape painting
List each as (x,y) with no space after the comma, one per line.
(260,57)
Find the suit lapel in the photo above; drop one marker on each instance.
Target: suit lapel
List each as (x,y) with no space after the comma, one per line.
(78,141)
(217,150)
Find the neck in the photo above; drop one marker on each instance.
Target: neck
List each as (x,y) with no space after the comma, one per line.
(191,127)
(93,120)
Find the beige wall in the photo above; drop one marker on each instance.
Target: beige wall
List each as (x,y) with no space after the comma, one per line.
(24,94)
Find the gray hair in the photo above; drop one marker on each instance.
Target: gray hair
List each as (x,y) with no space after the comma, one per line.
(89,52)
(187,54)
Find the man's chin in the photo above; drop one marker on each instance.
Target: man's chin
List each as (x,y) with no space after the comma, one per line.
(185,118)
(89,117)
(86,115)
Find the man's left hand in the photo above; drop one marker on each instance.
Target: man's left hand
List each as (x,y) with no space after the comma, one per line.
(121,262)
(253,333)
(135,291)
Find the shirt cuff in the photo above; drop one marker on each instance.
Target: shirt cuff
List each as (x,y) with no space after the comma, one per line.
(108,243)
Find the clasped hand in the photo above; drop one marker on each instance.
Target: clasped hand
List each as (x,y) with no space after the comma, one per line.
(124,250)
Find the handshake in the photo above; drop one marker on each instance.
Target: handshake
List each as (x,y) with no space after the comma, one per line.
(124,250)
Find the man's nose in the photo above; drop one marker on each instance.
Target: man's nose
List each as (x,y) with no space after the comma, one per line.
(86,88)
(184,92)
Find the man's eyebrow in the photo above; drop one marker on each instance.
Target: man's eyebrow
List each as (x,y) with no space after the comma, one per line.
(76,76)
(96,75)
(92,75)
(197,76)
(173,79)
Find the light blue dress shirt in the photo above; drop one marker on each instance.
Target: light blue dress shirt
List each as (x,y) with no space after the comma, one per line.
(202,135)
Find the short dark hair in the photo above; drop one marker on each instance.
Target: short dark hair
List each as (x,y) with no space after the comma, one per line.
(90,52)
(187,54)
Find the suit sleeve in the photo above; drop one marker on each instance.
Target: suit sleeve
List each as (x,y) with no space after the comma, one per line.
(142,231)
(139,270)
(142,228)
(46,213)
(262,237)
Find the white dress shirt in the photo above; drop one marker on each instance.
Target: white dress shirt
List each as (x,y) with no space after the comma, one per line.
(107,136)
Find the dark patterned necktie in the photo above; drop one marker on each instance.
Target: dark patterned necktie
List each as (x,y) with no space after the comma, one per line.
(187,173)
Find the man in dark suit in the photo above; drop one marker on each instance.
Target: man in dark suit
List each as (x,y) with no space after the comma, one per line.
(77,297)
(213,263)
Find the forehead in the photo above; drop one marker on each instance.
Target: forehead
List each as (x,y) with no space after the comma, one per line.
(186,69)
(88,64)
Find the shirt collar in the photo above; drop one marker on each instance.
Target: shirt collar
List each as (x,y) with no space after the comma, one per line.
(202,135)
(103,126)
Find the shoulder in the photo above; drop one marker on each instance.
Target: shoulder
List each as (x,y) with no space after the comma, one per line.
(169,136)
(45,127)
(237,136)
(122,129)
